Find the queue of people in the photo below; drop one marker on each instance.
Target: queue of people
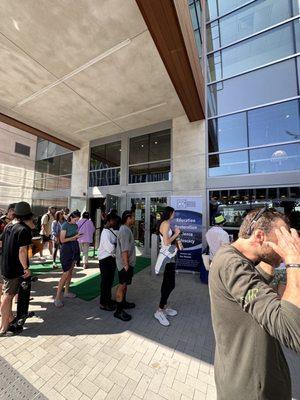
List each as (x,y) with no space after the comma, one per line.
(250,319)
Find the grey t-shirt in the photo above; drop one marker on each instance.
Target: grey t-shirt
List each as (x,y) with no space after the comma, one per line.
(125,242)
(250,321)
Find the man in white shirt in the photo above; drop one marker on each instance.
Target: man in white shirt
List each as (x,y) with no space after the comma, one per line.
(216,236)
(107,261)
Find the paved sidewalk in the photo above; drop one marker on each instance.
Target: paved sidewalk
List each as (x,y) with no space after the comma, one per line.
(80,352)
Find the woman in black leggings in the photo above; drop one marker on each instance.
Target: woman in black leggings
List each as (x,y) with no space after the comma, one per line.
(167,237)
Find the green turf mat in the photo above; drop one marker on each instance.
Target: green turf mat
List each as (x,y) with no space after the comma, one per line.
(89,287)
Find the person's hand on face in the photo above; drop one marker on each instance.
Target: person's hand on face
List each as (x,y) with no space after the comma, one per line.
(287,246)
(177,231)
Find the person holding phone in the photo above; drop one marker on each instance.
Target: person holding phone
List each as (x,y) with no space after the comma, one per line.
(167,238)
(69,255)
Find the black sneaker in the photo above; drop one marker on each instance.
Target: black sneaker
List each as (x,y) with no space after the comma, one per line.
(108,307)
(122,315)
(127,305)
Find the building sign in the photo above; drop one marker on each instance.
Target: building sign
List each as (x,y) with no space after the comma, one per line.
(188,218)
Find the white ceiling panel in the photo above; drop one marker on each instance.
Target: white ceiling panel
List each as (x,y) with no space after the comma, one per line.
(62,110)
(20,76)
(64,34)
(129,80)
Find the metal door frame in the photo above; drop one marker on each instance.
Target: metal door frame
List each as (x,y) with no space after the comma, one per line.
(147,196)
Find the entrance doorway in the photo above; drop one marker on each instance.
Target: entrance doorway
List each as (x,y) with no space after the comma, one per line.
(148,209)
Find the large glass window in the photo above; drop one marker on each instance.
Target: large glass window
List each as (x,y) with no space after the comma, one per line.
(227,133)
(253,18)
(254,88)
(46,149)
(234,163)
(274,124)
(249,54)
(53,173)
(149,157)
(275,159)
(279,123)
(105,164)
(220,7)
(196,13)
(235,204)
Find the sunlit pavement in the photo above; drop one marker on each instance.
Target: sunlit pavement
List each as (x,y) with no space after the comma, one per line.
(81,352)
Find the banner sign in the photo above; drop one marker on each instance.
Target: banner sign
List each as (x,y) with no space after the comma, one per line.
(188,218)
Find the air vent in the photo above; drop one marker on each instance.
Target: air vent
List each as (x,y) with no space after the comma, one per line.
(22,149)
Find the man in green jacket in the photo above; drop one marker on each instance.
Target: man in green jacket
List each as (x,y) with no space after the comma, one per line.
(250,321)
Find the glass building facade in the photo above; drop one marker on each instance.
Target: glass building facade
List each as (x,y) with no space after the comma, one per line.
(251,55)
(253,108)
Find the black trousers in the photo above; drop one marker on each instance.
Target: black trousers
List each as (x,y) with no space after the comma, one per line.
(107,269)
(168,284)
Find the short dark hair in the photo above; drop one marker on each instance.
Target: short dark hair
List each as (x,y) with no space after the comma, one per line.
(111,217)
(265,222)
(86,215)
(11,206)
(74,214)
(24,217)
(126,214)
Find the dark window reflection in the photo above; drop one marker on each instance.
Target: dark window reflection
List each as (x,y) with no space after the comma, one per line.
(150,173)
(106,156)
(105,177)
(273,124)
(235,204)
(153,147)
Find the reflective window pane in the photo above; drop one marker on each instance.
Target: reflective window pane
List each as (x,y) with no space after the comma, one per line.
(297,34)
(228,5)
(274,124)
(150,173)
(65,167)
(275,159)
(106,156)
(41,149)
(251,19)
(255,88)
(211,9)
(160,146)
(105,177)
(262,49)
(153,147)
(227,133)
(54,163)
(228,164)
(139,149)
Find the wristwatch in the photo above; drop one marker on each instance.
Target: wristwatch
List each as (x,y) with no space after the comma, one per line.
(292,266)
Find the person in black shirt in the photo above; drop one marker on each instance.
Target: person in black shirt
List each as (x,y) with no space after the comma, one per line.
(15,263)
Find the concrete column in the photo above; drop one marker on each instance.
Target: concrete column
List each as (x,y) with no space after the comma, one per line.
(188,160)
(80,178)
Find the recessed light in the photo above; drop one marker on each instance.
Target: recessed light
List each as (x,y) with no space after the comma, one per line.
(142,145)
(155,142)
(287,116)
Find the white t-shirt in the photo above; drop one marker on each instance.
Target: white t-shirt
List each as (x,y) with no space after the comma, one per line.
(107,246)
(216,237)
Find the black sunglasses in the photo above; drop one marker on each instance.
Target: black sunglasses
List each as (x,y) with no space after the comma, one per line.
(256,218)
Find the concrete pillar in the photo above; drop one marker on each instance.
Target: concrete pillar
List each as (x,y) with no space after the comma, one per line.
(80,178)
(189,160)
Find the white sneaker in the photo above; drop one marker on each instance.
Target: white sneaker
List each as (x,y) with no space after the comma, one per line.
(70,295)
(58,303)
(160,316)
(170,312)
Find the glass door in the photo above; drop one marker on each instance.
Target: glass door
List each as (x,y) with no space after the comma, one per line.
(147,209)
(138,206)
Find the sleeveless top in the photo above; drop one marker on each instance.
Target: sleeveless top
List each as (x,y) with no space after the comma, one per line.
(170,233)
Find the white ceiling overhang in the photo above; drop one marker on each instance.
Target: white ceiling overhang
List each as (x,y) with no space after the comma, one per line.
(81,69)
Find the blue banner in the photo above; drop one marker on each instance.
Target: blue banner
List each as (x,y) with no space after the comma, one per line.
(188,218)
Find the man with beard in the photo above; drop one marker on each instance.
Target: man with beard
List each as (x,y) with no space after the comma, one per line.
(249,319)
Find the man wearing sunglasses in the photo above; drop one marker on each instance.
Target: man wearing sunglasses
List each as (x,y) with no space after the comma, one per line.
(250,321)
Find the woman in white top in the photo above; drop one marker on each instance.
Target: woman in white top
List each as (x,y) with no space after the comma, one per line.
(107,261)
(167,238)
